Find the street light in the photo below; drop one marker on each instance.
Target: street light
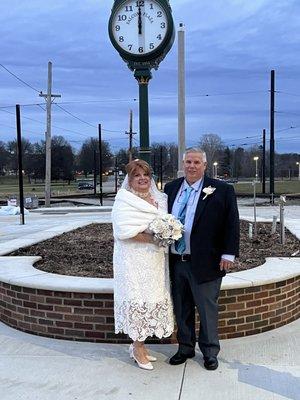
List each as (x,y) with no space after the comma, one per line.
(215,170)
(256,167)
(298,163)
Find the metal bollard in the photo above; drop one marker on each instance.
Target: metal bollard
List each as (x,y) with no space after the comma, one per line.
(282,201)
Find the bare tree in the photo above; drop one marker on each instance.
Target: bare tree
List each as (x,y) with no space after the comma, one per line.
(213,146)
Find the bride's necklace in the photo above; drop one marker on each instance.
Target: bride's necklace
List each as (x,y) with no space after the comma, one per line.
(140,194)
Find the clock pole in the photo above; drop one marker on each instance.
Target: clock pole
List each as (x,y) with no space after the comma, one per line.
(143,77)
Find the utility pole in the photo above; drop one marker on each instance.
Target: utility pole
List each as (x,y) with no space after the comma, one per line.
(95,173)
(264,163)
(48,98)
(130,133)
(161,168)
(100,165)
(181,97)
(20,164)
(272,141)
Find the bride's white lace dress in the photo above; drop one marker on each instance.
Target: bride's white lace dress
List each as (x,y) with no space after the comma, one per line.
(142,299)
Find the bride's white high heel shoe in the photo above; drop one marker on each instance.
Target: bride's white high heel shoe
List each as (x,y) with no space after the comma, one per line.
(148,366)
(150,358)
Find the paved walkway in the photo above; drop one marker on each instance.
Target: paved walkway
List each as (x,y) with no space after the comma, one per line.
(260,367)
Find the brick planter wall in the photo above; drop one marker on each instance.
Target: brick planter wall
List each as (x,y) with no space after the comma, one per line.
(89,317)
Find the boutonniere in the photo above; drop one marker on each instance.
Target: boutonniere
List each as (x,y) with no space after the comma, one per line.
(208,190)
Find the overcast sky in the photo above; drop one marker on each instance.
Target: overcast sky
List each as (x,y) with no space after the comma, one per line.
(231,47)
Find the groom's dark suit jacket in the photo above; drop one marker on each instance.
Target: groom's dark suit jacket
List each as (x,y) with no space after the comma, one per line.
(215,229)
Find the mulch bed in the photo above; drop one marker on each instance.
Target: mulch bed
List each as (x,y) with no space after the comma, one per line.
(88,251)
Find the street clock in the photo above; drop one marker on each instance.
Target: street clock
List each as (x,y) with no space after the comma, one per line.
(142,31)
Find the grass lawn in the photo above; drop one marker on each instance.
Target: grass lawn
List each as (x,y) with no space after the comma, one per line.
(281,187)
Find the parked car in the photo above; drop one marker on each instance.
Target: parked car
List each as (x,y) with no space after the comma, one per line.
(85,186)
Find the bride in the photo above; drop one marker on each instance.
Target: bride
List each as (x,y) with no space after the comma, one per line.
(142,301)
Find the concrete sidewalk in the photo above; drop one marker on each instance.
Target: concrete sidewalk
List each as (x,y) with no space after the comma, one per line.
(260,367)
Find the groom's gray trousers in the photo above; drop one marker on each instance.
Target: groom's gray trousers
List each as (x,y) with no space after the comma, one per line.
(188,294)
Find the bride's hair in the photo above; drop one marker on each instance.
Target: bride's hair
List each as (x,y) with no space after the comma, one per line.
(134,165)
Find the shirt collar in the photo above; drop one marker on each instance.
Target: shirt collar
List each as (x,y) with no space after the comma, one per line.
(196,186)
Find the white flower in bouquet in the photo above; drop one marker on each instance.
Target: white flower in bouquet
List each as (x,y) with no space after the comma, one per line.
(166,229)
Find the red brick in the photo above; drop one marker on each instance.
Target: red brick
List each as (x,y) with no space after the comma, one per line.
(45,322)
(29,304)
(93,303)
(245,297)
(235,335)
(261,309)
(29,290)
(72,333)
(91,334)
(53,300)
(104,328)
(259,324)
(32,320)
(243,313)
(45,307)
(274,292)
(227,300)
(105,311)
(267,328)
(281,311)
(275,319)
(254,303)
(45,292)
(109,304)
(78,325)
(54,315)
(36,313)
(38,328)
(93,318)
(72,317)
(103,296)
(269,314)
(82,295)
(261,295)
(269,300)
(253,289)
(63,309)
(227,329)
(252,332)
(23,296)
(280,297)
(235,321)
(83,310)
(55,331)
(63,324)
(253,318)
(245,327)
(72,302)
(23,310)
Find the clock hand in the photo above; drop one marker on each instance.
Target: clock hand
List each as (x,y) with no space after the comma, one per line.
(140,21)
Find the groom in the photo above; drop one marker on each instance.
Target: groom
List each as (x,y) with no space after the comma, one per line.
(198,261)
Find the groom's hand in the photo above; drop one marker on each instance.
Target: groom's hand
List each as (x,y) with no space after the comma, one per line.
(225,265)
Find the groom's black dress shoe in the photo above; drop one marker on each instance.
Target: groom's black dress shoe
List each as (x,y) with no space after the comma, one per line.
(211,363)
(180,358)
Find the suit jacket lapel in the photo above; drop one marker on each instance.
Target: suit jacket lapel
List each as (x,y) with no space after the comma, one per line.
(202,203)
(172,195)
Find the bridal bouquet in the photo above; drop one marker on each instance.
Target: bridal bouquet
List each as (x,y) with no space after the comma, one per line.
(166,229)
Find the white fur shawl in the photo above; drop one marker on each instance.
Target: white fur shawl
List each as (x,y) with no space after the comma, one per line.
(131,215)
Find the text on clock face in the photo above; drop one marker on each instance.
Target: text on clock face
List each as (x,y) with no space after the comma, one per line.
(139,27)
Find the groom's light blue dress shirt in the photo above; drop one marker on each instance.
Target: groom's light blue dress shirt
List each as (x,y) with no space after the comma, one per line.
(190,214)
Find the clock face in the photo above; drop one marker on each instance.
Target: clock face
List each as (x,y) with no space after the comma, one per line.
(139,27)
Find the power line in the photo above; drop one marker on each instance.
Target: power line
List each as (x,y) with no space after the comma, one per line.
(19,79)
(74,116)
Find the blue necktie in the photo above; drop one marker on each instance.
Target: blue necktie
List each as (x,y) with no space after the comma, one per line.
(180,244)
